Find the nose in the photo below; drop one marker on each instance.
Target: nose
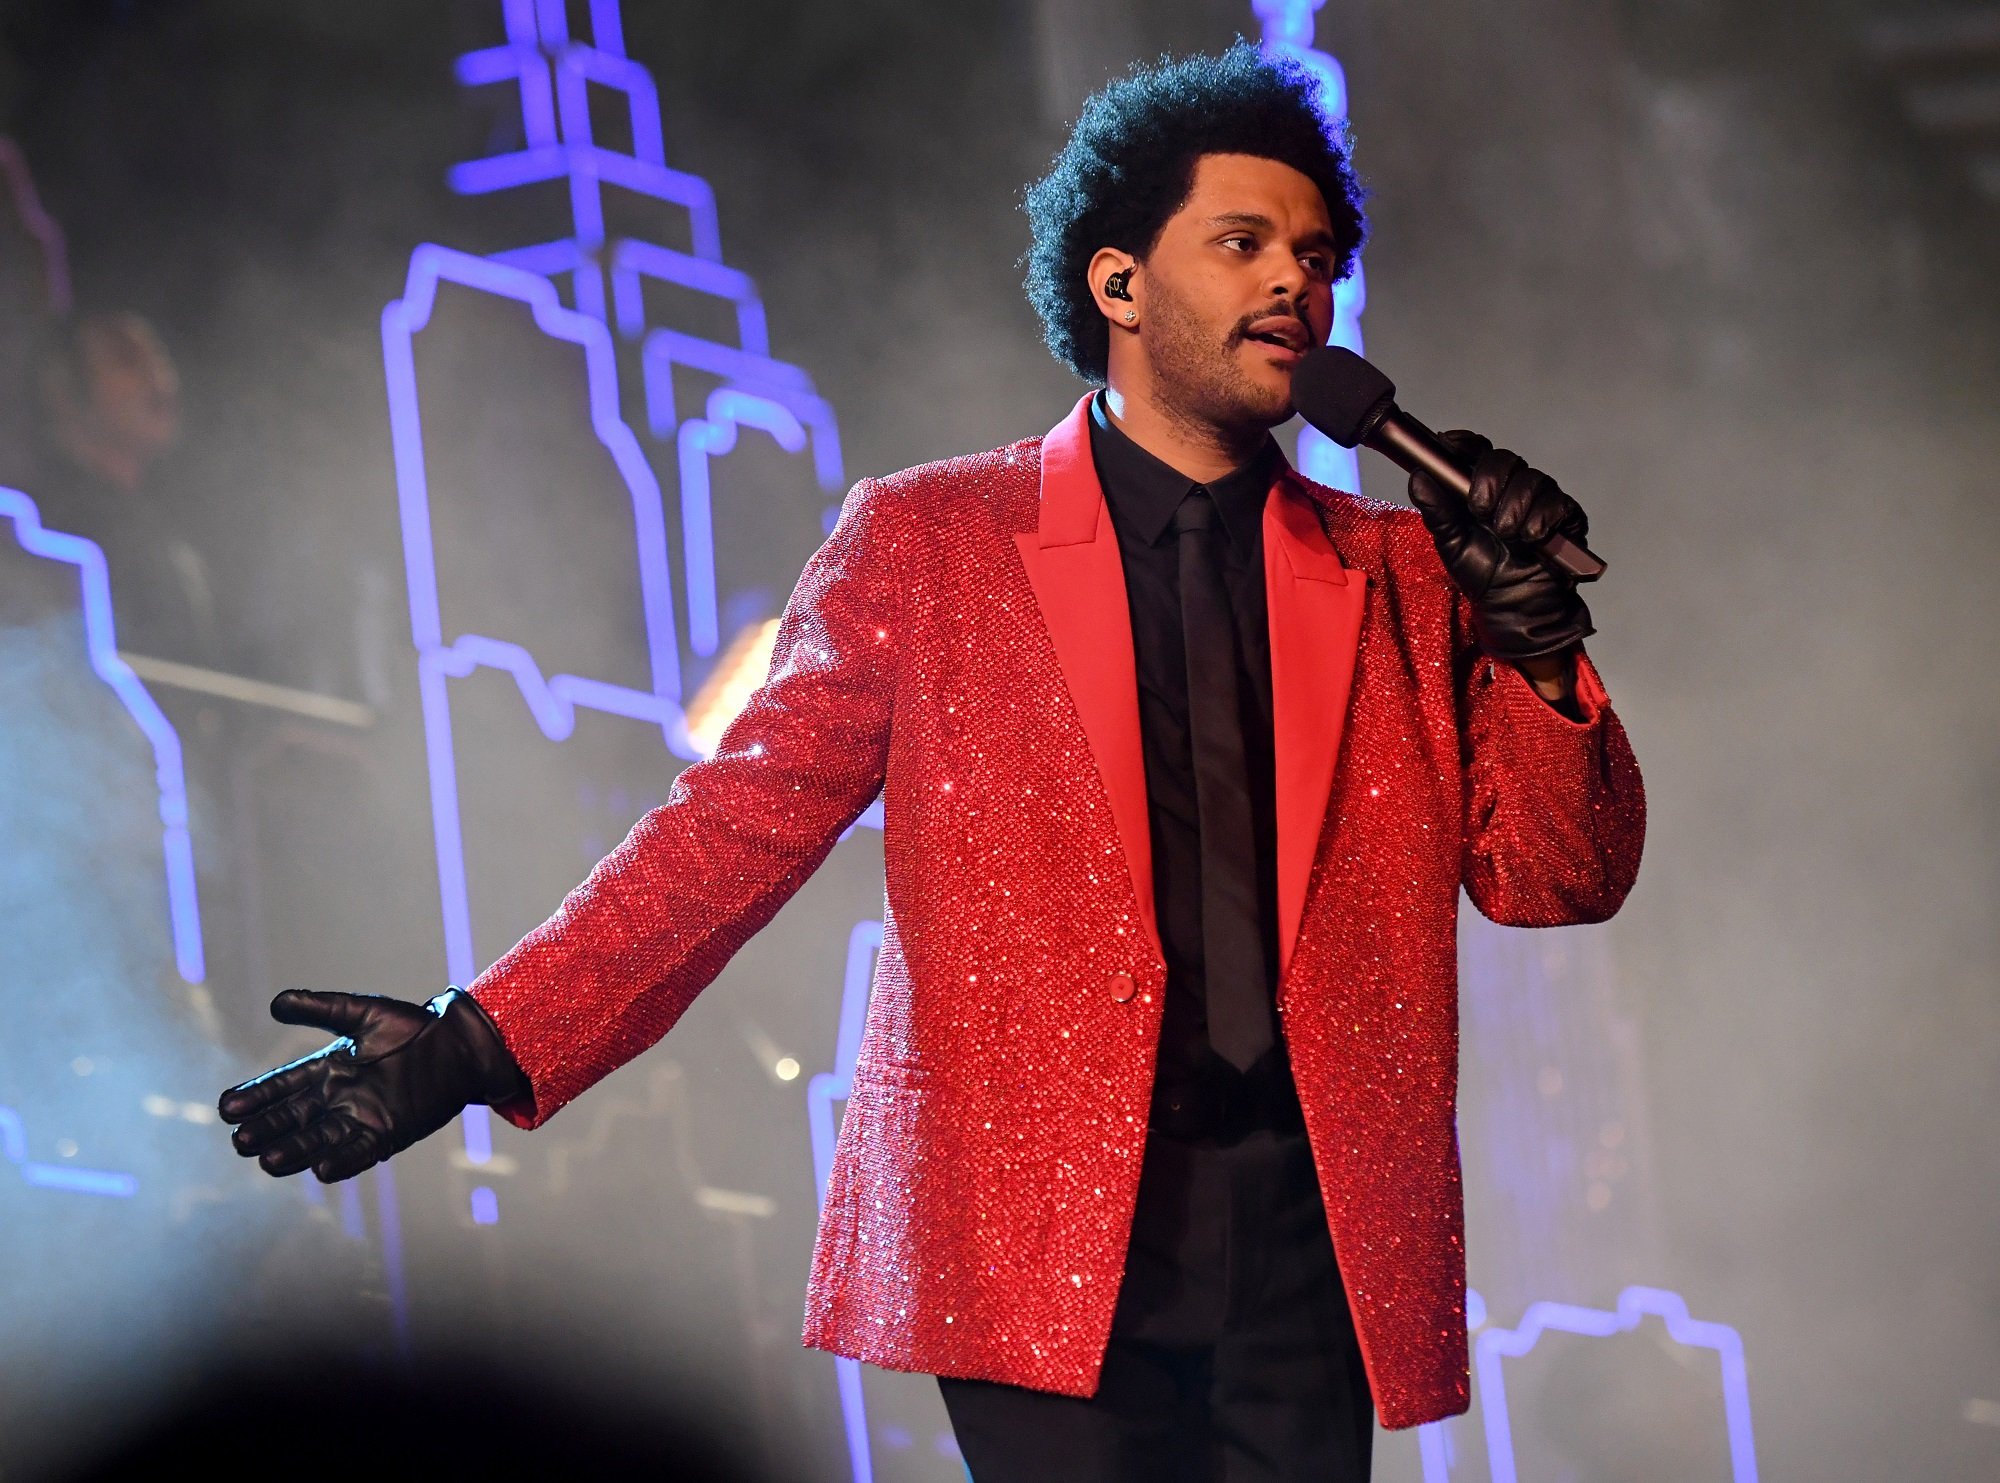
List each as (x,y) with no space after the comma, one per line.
(1287,278)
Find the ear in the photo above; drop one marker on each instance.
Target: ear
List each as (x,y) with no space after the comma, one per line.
(1108,269)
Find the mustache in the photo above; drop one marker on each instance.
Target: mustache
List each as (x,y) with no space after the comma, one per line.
(1274,311)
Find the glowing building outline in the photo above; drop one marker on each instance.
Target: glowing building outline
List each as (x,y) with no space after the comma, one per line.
(1634,1303)
(177,848)
(552,701)
(554,74)
(100,642)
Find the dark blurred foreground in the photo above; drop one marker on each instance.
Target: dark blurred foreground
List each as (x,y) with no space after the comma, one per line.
(320,1418)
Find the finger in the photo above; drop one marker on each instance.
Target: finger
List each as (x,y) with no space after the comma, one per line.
(1545,519)
(1553,512)
(253,1096)
(1443,509)
(344,1014)
(303,1149)
(350,1159)
(1516,501)
(290,1116)
(1491,473)
(1466,444)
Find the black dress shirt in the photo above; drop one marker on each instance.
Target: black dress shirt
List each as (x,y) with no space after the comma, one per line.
(1196,1092)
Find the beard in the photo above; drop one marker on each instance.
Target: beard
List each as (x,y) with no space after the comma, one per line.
(1197,377)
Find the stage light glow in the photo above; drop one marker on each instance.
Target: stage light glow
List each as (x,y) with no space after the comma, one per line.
(699,440)
(736,676)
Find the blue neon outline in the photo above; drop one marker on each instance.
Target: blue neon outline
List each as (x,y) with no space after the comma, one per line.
(402,319)
(607,26)
(552,701)
(822,1091)
(388,1216)
(522,65)
(864,942)
(100,640)
(699,440)
(785,384)
(14,1144)
(1288,32)
(554,75)
(578,68)
(1634,1303)
(352,1221)
(632,261)
(1435,1449)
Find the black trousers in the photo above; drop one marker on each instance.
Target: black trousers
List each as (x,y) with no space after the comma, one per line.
(1232,1355)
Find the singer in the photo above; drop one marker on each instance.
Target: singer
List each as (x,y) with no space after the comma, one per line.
(1151,1152)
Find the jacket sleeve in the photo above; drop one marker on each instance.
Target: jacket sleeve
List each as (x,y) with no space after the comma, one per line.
(1555,812)
(658,918)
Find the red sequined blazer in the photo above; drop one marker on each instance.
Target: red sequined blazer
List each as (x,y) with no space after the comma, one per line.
(961,644)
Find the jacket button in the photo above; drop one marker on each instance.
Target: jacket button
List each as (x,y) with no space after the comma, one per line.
(1122,987)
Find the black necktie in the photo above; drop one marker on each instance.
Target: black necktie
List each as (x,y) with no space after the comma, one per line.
(1233,969)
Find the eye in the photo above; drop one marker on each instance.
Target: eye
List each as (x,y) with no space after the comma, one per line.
(1243,241)
(1318,264)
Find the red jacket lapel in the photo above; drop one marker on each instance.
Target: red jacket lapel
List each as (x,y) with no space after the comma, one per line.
(1315,620)
(1079,582)
(1315,628)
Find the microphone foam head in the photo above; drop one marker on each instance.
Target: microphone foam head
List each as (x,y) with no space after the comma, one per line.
(1340,393)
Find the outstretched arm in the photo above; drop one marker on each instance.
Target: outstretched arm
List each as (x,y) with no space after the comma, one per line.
(628,950)
(626,953)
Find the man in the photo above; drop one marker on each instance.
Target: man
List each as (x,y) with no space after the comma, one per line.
(1151,1149)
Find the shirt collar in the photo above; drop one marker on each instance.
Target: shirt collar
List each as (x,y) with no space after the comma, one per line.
(1144,492)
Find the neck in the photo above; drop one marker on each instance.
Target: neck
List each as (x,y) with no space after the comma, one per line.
(1201,450)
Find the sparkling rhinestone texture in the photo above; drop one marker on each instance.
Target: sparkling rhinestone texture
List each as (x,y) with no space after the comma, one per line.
(961,645)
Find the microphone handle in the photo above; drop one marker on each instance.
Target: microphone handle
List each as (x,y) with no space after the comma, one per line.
(1414,448)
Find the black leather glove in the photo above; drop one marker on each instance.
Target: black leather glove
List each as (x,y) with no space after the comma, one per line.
(398,1073)
(1521,607)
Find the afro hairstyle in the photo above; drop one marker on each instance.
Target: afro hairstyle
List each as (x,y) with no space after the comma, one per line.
(1129,165)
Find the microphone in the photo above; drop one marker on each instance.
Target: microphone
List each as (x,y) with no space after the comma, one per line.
(1354,404)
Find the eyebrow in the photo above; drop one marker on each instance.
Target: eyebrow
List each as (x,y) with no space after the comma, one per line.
(1264,223)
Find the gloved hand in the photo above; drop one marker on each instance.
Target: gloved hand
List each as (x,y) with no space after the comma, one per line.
(1521,607)
(398,1073)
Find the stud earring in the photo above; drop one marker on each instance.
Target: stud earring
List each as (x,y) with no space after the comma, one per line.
(1130,315)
